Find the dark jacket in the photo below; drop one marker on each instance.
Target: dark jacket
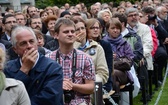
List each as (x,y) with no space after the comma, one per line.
(161,33)
(52,45)
(47,39)
(6,43)
(43,83)
(109,58)
(4,37)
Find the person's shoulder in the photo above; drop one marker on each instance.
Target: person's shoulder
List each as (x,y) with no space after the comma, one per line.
(46,59)
(81,53)
(48,64)
(143,26)
(104,43)
(13,62)
(10,82)
(93,43)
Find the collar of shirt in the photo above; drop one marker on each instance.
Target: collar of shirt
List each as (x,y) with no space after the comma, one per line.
(159,19)
(125,32)
(48,33)
(85,46)
(8,37)
(34,63)
(135,28)
(65,56)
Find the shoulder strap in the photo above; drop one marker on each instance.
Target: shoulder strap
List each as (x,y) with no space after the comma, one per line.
(73,62)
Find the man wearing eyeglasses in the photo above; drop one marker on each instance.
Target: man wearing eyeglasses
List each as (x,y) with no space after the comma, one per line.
(144,32)
(9,21)
(5,42)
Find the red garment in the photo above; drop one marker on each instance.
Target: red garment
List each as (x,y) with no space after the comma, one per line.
(155,42)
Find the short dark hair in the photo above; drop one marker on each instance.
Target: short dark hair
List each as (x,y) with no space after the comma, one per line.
(7,16)
(148,10)
(122,18)
(114,21)
(28,8)
(30,19)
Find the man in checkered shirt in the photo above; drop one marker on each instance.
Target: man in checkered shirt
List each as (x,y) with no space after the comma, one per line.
(82,81)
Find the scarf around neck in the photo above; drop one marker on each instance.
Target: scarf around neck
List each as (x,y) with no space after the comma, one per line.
(114,42)
(2,81)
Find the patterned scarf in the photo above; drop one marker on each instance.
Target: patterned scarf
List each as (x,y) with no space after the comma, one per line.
(2,81)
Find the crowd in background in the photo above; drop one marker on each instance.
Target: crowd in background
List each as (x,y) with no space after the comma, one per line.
(102,35)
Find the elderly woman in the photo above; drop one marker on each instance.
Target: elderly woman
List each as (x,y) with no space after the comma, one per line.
(105,14)
(12,92)
(50,23)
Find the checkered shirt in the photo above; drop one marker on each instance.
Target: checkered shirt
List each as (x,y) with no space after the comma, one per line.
(85,70)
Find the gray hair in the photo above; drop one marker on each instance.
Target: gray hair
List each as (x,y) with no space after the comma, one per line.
(16,30)
(100,13)
(159,9)
(84,17)
(130,10)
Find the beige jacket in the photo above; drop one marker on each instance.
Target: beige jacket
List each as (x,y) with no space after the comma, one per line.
(99,60)
(14,93)
(144,32)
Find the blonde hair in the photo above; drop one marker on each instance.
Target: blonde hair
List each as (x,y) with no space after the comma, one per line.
(2,58)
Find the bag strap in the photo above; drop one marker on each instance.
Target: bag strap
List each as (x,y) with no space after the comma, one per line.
(73,62)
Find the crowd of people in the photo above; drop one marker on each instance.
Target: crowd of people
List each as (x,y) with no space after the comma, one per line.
(54,56)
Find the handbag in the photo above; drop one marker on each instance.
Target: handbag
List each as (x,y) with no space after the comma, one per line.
(123,63)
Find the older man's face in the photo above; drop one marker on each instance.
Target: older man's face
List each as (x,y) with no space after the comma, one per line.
(132,19)
(36,24)
(25,42)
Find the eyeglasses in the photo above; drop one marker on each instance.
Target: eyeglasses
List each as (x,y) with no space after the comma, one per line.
(36,23)
(165,12)
(93,28)
(133,15)
(80,28)
(140,16)
(9,22)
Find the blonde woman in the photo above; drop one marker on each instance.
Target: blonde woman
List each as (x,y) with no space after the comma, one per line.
(12,92)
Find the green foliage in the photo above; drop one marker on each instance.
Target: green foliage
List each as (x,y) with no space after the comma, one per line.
(45,3)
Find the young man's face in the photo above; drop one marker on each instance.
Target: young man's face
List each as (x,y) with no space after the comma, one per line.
(32,11)
(20,20)
(66,34)
(9,23)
